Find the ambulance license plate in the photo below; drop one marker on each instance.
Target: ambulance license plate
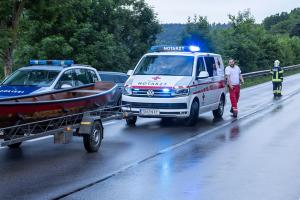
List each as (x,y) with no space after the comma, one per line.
(149,112)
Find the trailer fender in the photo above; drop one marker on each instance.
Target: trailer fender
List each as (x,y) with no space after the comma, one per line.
(87,123)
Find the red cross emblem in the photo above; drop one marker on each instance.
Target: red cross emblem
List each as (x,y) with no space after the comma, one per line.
(156,78)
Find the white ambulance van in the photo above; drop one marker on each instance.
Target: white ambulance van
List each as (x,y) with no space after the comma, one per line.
(175,82)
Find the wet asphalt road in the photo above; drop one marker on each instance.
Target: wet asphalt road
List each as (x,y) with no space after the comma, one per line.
(255,157)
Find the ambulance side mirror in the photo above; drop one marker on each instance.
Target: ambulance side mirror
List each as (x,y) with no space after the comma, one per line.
(203,75)
(130,72)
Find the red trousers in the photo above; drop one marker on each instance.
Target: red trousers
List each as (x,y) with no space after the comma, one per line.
(234,97)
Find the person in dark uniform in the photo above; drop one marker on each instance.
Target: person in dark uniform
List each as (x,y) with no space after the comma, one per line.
(277,78)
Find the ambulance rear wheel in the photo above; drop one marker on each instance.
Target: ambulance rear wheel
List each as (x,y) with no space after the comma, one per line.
(194,114)
(131,121)
(92,142)
(218,113)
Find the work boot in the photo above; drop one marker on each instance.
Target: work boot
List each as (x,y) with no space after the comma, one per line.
(279,94)
(231,110)
(235,113)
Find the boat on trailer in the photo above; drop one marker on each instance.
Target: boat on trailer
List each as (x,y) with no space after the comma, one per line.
(29,108)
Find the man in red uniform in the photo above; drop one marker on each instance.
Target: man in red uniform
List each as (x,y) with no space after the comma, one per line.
(234,79)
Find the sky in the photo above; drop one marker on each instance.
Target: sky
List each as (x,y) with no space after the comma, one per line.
(177,11)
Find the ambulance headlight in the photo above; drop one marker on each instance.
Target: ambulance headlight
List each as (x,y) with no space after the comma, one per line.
(127,91)
(181,92)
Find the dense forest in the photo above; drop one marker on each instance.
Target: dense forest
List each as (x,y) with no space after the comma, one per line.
(254,46)
(114,34)
(107,34)
(171,34)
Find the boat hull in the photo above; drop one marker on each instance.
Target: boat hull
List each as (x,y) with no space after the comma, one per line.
(20,110)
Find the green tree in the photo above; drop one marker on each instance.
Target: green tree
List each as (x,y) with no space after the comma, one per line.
(10,13)
(254,46)
(289,50)
(197,32)
(284,23)
(109,35)
(241,40)
(295,31)
(11,22)
(272,20)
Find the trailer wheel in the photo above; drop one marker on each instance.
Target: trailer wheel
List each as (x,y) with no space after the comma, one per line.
(131,120)
(93,141)
(15,145)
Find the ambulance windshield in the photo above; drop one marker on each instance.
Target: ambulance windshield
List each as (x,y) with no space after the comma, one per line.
(168,65)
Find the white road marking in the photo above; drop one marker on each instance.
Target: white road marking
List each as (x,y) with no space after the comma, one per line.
(109,123)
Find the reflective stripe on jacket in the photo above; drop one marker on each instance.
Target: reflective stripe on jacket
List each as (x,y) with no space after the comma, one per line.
(277,74)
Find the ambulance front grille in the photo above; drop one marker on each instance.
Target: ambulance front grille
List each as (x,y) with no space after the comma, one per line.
(156,93)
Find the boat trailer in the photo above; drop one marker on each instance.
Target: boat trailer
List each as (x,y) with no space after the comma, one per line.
(88,125)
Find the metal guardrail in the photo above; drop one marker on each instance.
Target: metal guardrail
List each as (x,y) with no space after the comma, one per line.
(267,72)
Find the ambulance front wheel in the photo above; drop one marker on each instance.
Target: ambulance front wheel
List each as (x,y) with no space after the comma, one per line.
(194,114)
(131,121)
(218,113)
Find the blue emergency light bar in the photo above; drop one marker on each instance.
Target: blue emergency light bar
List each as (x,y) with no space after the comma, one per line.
(162,48)
(52,62)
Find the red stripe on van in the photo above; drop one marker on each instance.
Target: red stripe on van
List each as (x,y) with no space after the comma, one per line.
(213,86)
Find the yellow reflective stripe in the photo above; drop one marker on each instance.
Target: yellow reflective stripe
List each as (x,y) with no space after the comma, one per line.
(276,80)
(86,123)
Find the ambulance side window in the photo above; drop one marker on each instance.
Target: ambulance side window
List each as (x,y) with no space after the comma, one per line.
(220,67)
(200,66)
(211,66)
